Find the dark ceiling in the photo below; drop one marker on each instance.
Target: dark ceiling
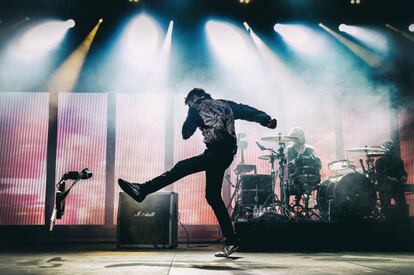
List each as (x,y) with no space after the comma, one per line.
(261,12)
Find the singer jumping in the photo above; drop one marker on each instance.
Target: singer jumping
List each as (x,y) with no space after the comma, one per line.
(215,119)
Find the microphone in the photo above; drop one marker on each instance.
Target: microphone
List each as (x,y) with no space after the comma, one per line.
(85,174)
(72,175)
(261,147)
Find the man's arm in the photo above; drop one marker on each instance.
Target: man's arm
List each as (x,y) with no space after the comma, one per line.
(191,123)
(245,112)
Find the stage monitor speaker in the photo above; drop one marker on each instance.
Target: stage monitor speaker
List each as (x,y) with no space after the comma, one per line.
(151,223)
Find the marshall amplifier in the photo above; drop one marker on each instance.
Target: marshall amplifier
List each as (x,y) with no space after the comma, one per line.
(152,223)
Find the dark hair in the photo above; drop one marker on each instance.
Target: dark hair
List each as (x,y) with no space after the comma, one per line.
(196,92)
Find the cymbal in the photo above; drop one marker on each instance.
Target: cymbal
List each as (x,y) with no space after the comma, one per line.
(267,157)
(341,165)
(366,150)
(280,139)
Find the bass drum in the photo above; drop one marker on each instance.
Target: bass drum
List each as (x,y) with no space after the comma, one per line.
(348,197)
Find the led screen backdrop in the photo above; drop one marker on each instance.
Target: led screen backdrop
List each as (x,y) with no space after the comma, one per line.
(23,143)
(81,143)
(141,123)
(140,136)
(366,121)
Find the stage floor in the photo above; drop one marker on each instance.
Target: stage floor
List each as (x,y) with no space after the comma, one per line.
(105,259)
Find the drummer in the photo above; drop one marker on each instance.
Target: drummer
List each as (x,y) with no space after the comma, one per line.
(299,148)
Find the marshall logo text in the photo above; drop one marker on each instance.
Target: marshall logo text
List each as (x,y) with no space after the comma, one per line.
(144,214)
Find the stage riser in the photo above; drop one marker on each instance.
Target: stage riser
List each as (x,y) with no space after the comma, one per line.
(324,236)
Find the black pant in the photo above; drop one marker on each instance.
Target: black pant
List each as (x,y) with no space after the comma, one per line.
(214,163)
(394,191)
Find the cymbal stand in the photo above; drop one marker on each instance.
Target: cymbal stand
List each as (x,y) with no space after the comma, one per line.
(371,169)
(273,199)
(240,169)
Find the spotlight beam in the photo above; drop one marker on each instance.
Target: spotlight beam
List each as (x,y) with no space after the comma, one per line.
(228,42)
(407,36)
(273,62)
(160,74)
(166,46)
(301,38)
(143,37)
(369,37)
(369,58)
(64,79)
(5,31)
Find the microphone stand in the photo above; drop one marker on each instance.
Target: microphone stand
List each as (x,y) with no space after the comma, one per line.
(61,194)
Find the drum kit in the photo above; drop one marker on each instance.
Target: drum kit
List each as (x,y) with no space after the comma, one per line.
(349,195)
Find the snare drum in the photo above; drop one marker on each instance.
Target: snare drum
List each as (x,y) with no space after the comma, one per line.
(306,170)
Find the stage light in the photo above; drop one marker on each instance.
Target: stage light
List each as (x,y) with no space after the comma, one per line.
(406,35)
(70,23)
(44,36)
(300,37)
(64,79)
(246,26)
(100,20)
(411,28)
(371,38)
(341,27)
(227,41)
(143,36)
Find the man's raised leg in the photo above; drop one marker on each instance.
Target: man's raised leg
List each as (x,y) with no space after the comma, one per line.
(181,169)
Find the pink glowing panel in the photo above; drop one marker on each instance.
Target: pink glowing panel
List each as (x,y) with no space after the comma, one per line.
(82,128)
(23,143)
(406,127)
(140,136)
(366,121)
(316,118)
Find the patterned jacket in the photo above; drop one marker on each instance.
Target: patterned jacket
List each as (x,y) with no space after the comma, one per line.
(215,119)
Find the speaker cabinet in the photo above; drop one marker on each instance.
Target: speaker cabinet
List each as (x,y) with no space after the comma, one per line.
(152,223)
